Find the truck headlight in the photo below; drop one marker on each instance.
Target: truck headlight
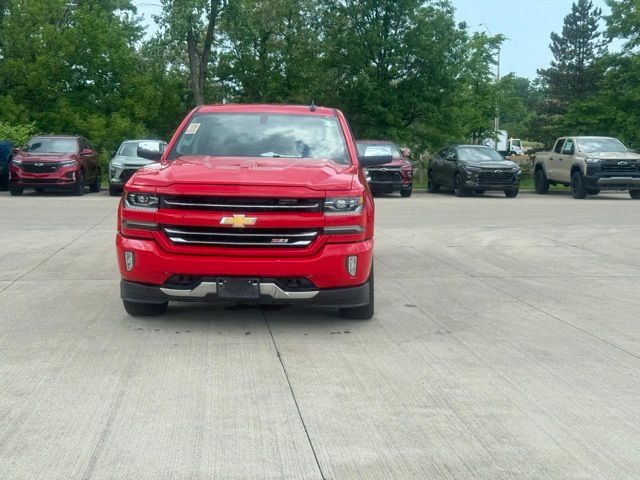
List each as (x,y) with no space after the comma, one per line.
(472,168)
(141,201)
(69,163)
(343,206)
(593,161)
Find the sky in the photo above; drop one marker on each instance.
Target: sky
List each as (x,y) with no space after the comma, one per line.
(526,23)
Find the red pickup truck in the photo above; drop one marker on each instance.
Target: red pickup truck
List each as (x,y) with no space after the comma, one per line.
(251,204)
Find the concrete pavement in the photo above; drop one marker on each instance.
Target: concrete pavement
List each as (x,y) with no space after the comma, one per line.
(506,344)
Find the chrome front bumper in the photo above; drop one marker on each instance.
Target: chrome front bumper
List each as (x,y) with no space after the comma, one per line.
(211,288)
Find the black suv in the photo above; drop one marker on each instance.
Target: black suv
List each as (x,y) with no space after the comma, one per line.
(473,169)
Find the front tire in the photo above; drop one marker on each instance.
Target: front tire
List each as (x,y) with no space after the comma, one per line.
(432,186)
(364,312)
(511,193)
(406,193)
(458,189)
(635,194)
(578,188)
(95,186)
(145,309)
(541,182)
(78,189)
(114,191)
(16,192)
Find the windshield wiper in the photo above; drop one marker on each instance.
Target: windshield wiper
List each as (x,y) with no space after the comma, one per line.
(278,155)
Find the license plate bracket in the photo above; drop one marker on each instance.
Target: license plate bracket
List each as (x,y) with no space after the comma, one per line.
(239,288)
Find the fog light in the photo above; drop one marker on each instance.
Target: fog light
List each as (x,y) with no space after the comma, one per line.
(352,265)
(128,260)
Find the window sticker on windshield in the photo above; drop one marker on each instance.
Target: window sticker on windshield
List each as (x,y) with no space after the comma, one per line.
(192,129)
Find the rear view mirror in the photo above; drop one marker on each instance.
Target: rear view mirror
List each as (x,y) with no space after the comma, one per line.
(373,160)
(86,151)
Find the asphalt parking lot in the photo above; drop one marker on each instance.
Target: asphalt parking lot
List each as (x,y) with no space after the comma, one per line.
(506,344)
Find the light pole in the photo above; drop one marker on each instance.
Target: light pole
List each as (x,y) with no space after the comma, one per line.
(496,124)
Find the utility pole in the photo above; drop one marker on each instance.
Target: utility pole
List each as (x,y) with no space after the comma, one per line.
(496,123)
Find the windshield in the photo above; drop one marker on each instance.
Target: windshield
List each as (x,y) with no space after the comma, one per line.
(263,135)
(51,145)
(478,154)
(593,145)
(130,149)
(373,149)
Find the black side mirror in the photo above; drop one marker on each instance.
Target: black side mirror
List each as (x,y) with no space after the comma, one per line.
(450,158)
(154,155)
(372,161)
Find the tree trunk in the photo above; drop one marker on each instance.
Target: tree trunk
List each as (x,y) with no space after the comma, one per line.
(199,60)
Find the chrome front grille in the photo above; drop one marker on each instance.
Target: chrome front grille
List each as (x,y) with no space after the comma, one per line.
(241,204)
(42,167)
(245,237)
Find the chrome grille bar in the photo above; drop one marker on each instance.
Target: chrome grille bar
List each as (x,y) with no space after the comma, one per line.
(241,203)
(181,235)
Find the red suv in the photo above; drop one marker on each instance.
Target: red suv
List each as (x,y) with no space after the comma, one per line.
(396,176)
(56,162)
(250,204)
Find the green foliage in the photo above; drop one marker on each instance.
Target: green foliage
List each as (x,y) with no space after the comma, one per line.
(18,134)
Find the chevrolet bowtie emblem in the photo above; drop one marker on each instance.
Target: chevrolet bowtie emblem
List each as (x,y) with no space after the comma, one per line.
(238,221)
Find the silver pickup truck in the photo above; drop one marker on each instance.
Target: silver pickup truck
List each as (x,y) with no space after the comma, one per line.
(588,165)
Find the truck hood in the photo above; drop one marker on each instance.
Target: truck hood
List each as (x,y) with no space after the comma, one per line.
(310,173)
(612,155)
(44,157)
(502,164)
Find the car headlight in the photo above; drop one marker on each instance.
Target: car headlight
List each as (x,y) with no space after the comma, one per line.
(344,206)
(141,201)
(116,165)
(16,161)
(471,168)
(593,161)
(69,163)
(517,170)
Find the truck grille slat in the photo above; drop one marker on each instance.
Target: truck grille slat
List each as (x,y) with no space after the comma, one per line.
(618,168)
(245,238)
(242,204)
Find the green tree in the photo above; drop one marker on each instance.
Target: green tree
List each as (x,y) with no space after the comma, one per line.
(393,66)
(271,51)
(575,71)
(191,26)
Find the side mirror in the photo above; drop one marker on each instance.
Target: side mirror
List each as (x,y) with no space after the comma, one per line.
(373,160)
(153,155)
(86,151)
(450,158)
(113,154)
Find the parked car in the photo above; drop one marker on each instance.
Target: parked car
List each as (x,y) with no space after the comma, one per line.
(473,169)
(251,204)
(6,151)
(396,176)
(55,162)
(126,162)
(588,165)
